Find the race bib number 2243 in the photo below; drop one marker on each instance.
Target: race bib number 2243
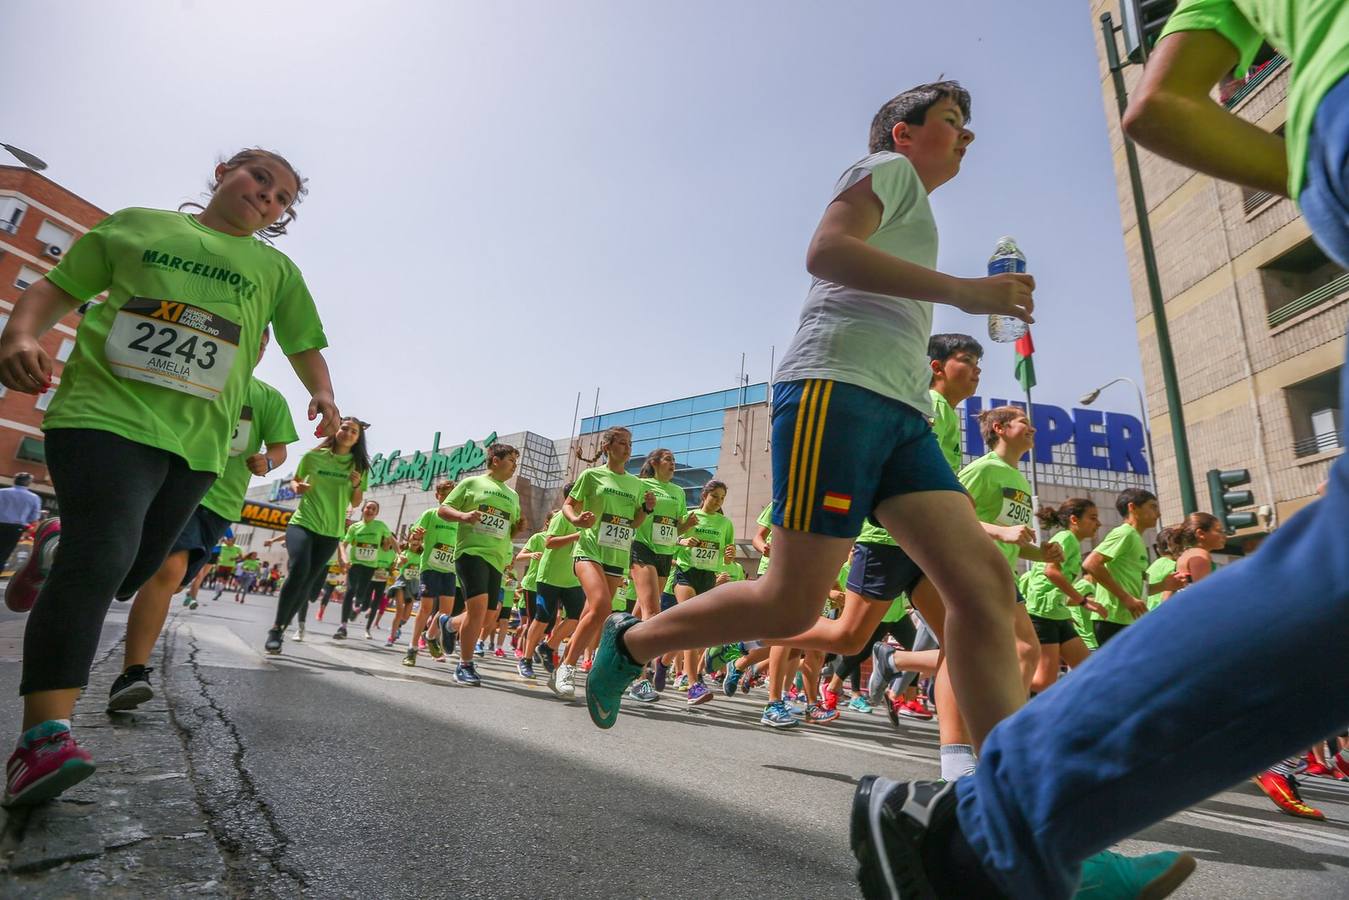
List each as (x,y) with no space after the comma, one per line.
(174,345)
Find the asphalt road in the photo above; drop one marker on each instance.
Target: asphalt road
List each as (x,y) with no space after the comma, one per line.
(332,770)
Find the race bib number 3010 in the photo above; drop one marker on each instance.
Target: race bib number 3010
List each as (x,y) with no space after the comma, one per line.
(174,345)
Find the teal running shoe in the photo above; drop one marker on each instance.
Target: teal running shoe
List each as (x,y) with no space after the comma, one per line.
(1113,876)
(611,672)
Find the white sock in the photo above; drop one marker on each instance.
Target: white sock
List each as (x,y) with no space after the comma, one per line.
(957,761)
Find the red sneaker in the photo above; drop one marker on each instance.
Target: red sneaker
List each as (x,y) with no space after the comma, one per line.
(914,709)
(45,768)
(1283,791)
(829,700)
(22,591)
(498,652)
(585,666)
(1342,765)
(1314,767)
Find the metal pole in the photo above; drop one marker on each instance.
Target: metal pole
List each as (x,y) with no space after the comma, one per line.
(772,361)
(1034,471)
(1147,433)
(1179,439)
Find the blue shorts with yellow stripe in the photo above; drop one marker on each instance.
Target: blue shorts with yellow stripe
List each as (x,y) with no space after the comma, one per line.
(840,449)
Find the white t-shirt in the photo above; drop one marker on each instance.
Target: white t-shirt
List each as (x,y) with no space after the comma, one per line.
(873,340)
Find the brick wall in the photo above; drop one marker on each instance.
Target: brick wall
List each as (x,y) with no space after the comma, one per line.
(46,200)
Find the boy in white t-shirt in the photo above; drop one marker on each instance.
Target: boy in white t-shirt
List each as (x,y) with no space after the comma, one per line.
(851,432)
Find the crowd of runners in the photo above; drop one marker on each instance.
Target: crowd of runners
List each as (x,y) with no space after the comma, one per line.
(881,554)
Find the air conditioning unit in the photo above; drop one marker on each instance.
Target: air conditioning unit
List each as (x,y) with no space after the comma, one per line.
(53,251)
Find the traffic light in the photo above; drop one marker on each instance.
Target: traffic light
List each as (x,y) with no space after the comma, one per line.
(1143,22)
(1225,500)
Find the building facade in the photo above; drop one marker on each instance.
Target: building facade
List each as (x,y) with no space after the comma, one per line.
(1256,311)
(39,220)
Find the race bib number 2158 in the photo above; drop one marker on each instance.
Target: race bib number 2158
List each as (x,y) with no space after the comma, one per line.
(174,345)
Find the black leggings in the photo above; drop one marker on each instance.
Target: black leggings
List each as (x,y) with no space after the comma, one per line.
(309,554)
(360,586)
(851,667)
(123,504)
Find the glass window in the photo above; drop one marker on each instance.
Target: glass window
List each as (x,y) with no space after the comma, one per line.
(51,235)
(676,443)
(618,418)
(756,393)
(707,420)
(702,459)
(11,213)
(677,408)
(706,402)
(675,426)
(646,430)
(588,424)
(647,413)
(642,448)
(703,440)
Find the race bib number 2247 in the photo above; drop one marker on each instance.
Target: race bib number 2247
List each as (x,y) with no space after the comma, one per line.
(174,345)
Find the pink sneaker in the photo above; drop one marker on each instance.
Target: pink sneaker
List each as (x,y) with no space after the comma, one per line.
(22,591)
(45,768)
(498,652)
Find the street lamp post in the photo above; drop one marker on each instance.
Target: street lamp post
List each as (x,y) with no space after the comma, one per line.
(1170,382)
(33,162)
(1089,398)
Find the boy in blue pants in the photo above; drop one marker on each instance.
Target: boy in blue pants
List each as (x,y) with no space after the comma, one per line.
(1110,750)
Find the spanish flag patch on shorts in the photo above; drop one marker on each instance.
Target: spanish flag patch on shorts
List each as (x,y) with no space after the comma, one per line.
(837,503)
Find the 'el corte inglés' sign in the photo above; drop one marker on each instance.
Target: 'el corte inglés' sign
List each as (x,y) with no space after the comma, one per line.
(427,467)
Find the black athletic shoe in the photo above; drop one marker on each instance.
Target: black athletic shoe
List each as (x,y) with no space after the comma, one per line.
(891,824)
(544,654)
(131,689)
(273,644)
(448,636)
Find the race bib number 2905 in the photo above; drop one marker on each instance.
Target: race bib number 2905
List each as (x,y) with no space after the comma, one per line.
(174,345)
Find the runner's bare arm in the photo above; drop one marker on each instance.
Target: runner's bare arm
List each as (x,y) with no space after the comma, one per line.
(839,252)
(312,370)
(24,365)
(1173,114)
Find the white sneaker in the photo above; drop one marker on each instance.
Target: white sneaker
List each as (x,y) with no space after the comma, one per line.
(368,635)
(565,682)
(299,633)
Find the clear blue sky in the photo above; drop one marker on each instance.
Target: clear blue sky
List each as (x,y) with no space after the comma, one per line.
(516,201)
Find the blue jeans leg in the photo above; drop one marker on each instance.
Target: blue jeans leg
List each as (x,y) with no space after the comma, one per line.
(1111,750)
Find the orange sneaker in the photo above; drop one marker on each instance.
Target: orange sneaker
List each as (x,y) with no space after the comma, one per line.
(1283,791)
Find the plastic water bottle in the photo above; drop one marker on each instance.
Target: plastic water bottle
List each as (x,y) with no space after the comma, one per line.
(1007,257)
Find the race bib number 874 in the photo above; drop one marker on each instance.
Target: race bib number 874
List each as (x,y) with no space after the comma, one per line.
(174,345)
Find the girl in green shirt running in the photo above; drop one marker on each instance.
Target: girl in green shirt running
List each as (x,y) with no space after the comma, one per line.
(607,506)
(709,546)
(152,392)
(488,513)
(1049,590)
(329,480)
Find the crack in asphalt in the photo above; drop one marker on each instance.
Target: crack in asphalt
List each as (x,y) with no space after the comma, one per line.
(226,790)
